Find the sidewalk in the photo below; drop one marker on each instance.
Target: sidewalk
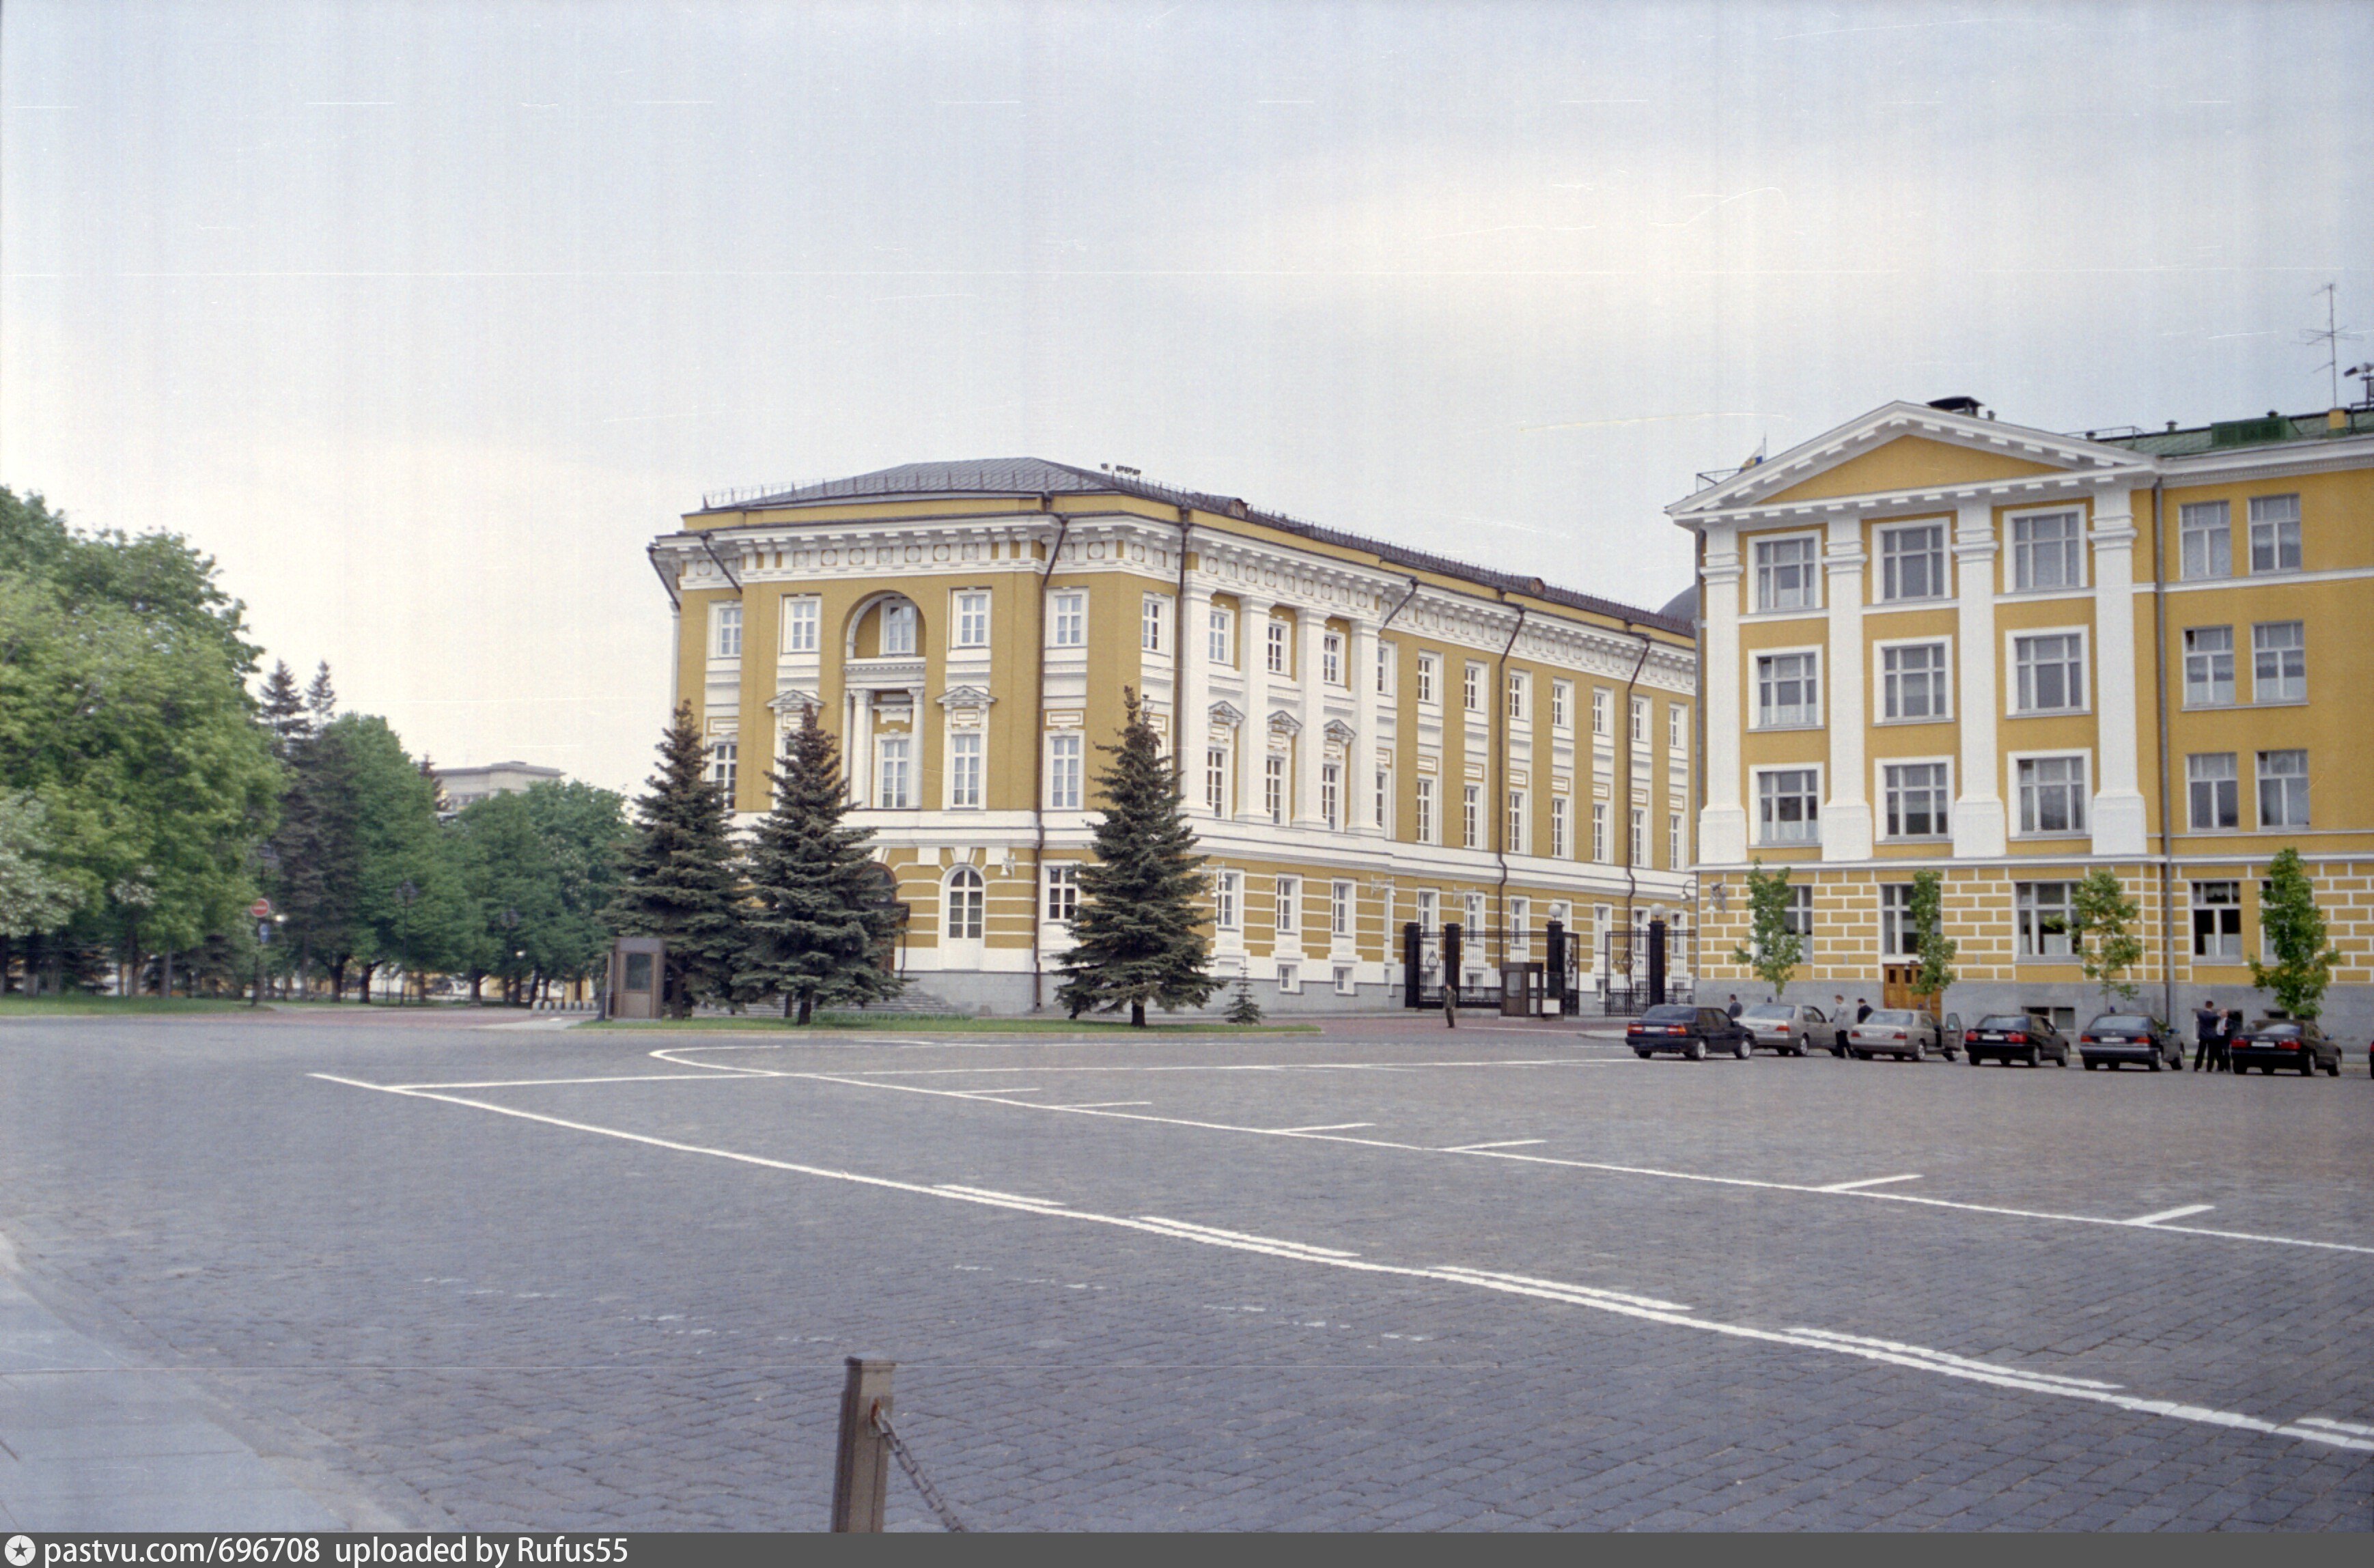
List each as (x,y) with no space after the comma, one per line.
(91,1441)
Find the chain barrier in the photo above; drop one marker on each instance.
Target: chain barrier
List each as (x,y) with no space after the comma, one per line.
(908,1462)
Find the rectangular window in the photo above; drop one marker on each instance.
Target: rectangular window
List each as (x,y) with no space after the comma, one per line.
(1640,720)
(1789,807)
(1428,666)
(1331,658)
(2283,789)
(1520,921)
(1913,562)
(2044,552)
(1343,982)
(802,619)
(2205,530)
(1062,892)
(1289,904)
(1784,574)
(1385,669)
(1601,705)
(964,770)
(1064,773)
(1797,920)
(1913,680)
(1599,832)
(1516,821)
(1678,727)
(2208,666)
(2041,912)
(898,628)
(1472,689)
(890,770)
(1219,644)
(1518,686)
(2051,794)
(1561,840)
(2279,662)
(2214,787)
(1153,610)
(1069,619)
(965,898)
(723,761)
(972,619)
(1331,795)
(2217,919)
(1473,922)
(1426,823)
(1788,689)
(1384,799)
(1427,901)
(1339,909)
(1470,817)
(1289,976)
(1274,786)
(1227,887)
(2052,672)
(1277,654)
(2274,534)
(1215,780)
(1674,859)
(1914,796)
(1898,939)
(1561,704)
(726,621)
(1640,837)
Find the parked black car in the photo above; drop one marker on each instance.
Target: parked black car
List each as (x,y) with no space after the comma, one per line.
(2009,1036)
(1691,1031)
(2116,1038)
(2294,1042)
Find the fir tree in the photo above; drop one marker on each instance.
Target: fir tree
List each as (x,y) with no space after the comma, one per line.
(1140,934)
(320,699)
(817,932)
(284,711)
(1244,1010)
(296,874)
(680,881)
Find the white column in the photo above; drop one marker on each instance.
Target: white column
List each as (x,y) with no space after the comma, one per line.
(1846,815)
(1722,823)
(1360,759)
(857,745)
(1311,746)
(2119,820)
(1979,825)
(1253,735)
(1190,667)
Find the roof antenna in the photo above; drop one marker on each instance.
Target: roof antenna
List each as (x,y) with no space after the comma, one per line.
(2332,337)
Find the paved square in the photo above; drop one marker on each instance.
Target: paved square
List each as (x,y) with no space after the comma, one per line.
(1392,1277)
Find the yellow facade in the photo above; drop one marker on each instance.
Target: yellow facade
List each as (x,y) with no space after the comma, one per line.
(968,630)
(2144,652)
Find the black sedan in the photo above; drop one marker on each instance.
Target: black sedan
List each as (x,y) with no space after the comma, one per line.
(2293,1043)
(2008,1037)
(1690,1031)
(2116,1038)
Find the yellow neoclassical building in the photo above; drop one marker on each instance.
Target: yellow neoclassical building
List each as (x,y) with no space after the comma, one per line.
(1935,639)
(1368,736)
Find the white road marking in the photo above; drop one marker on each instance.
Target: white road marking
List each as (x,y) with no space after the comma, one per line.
(1099,1105)
(1557,1290)
(2348,1426)
(1000,1197)
(1323,1126)
(1868,1181)
(2166,1214)
(1872,1195)
(1948,1359)
(985,1094)
(1478,1148)
(1973,1372)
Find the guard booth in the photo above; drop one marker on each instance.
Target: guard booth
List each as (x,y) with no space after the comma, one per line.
(638,977)
(1523,990)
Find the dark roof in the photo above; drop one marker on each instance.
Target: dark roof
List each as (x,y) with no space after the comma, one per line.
(1037,476)
(2227,434)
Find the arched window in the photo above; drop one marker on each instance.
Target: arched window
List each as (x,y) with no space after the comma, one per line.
(964,900)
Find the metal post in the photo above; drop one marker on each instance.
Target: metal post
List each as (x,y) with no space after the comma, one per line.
(861,1470)
(1656,962)
(1413,957)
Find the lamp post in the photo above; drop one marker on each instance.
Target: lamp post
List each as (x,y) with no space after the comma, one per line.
(404,895)
(510,931)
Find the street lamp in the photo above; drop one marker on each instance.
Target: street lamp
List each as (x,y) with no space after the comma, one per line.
(404,895)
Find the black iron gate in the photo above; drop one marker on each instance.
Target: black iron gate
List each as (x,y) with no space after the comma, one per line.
(1519,971)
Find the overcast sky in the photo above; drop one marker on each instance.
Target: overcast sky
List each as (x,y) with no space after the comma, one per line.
(424,318)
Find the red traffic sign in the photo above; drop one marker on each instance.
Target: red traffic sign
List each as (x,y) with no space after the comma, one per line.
(261,908)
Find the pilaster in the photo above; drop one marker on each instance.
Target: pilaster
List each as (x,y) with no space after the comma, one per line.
(1846,813)
(1979,828)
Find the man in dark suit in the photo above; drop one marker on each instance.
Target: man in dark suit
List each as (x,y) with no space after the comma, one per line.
(1735,1009)
(1862,1009)
(2207,1022)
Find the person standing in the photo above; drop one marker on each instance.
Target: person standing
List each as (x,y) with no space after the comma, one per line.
(2226,1038)
(2207,1022)
(1734,1010)
(1862,1009)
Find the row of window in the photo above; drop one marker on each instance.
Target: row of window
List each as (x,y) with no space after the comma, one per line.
(2051,795)
(2047,554)
(2048,675)
(2042,916)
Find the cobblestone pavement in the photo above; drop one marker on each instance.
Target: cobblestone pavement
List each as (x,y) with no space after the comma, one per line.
(1239,1283)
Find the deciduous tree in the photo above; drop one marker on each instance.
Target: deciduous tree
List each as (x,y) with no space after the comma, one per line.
(2297,936)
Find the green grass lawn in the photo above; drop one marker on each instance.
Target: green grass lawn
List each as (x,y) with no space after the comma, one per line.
(74,1003)
(918,1024)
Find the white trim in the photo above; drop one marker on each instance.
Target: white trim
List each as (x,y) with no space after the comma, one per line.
(1878,678)
(2011,637)
(1748,545)
(2013,515)
(2011,795)
(1754,704)
(1879,767)
(1756,804)
(1948,589)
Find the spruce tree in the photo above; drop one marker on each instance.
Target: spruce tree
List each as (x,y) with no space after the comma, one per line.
(680,881)
(815,931)
(298,879)
(1140,934)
